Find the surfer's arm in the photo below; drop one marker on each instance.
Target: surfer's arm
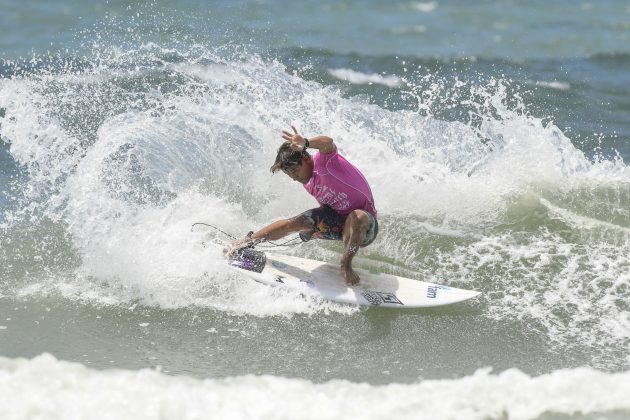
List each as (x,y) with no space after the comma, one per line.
(322,143)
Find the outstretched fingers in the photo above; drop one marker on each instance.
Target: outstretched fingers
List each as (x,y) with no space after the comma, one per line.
(287,136)
(296,140)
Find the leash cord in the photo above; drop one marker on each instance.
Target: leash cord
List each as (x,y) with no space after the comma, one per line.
(290,242)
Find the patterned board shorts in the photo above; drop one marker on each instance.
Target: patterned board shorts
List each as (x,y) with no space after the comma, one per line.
(328,224)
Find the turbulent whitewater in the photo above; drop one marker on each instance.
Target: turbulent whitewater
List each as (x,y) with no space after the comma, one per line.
(505,176)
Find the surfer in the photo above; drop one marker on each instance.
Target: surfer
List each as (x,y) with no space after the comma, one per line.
(346,210)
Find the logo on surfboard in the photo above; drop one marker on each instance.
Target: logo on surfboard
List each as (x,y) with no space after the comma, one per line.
(432,290)
(278,264)
(377,298)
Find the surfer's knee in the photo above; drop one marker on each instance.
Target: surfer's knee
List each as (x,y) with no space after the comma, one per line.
(363,223)
(359,219)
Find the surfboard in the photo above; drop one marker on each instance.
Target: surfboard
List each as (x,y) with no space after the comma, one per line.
(320,279)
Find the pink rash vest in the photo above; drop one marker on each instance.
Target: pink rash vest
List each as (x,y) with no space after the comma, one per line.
(339,184)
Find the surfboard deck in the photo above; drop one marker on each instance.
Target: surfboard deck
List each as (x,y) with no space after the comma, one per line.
(317,278)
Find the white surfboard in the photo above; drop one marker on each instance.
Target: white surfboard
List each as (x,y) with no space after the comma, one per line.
(316,278)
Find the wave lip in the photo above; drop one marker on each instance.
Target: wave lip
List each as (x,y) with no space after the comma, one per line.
(76,391)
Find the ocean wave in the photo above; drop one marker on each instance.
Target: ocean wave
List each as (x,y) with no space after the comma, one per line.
(359,78)
(554,85)
(424,7)
(406,30)
(46,387)
(453,61)
(616,58)
(122,158)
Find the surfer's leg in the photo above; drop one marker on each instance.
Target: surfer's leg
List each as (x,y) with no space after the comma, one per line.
(356,227)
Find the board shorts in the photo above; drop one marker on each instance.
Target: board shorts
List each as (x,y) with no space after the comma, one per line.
(328,224)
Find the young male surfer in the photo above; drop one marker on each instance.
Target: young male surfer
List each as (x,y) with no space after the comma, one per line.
(346,209)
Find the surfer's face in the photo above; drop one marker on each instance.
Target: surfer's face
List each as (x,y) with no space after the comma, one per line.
(300,172)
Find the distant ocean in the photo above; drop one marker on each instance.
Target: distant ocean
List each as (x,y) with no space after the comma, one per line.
(495,136)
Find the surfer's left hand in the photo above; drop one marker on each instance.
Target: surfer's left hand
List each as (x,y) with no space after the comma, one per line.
(235,246)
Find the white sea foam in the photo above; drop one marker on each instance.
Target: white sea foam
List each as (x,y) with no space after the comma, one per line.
(555,85)
(425,7)
(359,78)
(577,297)
(46,388)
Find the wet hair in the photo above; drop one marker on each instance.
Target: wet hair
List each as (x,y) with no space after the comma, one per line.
(287,157)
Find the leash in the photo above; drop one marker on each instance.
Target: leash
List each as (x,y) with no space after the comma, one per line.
(255,242)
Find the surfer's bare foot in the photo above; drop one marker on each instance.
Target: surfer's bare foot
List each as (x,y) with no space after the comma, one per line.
(351,278)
